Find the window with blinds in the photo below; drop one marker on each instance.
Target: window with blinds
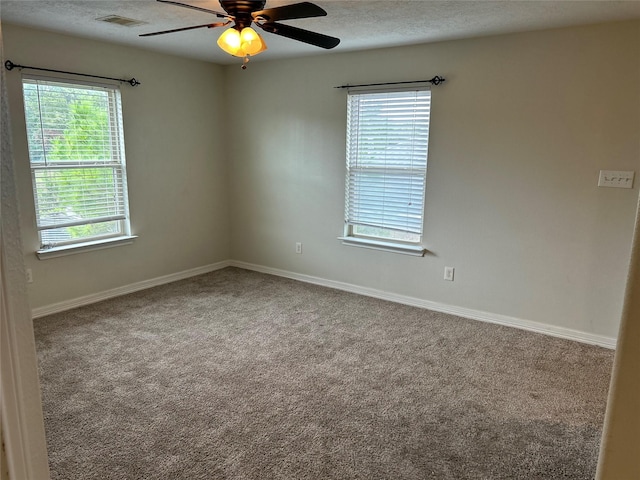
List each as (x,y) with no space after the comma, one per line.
(76,153)
(387,143)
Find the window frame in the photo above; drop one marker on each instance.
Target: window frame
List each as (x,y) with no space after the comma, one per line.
(350,236)
(116,166)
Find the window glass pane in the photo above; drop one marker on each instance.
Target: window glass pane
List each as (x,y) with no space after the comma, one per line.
(66,235)
(68,123)
(385,233)
(78,194)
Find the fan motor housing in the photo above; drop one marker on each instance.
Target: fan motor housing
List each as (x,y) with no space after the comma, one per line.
(241,10)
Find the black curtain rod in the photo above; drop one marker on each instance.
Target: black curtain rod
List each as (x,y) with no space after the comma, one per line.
(435,80)
(9,65)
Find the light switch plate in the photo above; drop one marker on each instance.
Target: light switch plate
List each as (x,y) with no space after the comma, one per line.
(616,179)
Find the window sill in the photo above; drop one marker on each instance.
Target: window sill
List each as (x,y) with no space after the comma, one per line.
(61,251)
(415,250)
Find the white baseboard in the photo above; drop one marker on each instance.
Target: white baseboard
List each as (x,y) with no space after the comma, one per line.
(469,313)
(126,289)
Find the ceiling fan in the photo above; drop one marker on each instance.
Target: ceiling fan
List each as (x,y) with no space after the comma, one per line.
(241,40)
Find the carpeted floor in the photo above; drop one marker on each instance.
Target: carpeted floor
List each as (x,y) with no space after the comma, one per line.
(241,375)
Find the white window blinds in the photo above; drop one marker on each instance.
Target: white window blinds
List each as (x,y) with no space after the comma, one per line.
(76,152)
(387,143)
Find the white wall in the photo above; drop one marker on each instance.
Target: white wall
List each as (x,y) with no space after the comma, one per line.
(519,133)
(175,164)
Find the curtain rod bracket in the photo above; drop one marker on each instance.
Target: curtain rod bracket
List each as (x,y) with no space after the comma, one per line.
(437,80)
(9,65)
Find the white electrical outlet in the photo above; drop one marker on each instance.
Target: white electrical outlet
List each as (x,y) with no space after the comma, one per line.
(29,275)
(298,247)
(448,273)
(616,179)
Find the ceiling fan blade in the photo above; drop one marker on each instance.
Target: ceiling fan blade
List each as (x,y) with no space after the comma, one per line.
(193,7)
(208,25)
(289,12)
(306,36)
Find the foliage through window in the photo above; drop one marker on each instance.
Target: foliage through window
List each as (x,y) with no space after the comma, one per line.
(76,153)
(387,144)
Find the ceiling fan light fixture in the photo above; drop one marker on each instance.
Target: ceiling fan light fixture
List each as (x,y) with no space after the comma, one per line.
(251,42)
(241,44)
(229,41)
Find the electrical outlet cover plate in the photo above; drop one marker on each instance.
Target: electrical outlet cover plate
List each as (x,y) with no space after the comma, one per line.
(448,273)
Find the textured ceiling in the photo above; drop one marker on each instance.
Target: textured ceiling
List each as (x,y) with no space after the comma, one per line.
(359,24)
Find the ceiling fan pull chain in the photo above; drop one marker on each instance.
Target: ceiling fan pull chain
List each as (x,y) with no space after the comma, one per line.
(244,62)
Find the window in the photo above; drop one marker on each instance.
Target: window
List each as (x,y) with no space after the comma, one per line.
(76,153)
(387,143)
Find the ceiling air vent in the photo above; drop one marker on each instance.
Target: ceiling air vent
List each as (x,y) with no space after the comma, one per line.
(118,20)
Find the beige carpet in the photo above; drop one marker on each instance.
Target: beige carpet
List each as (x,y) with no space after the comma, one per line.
(241,375)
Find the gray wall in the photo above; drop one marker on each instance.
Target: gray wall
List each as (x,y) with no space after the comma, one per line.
(231,164)
(519,133)
(175,163)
